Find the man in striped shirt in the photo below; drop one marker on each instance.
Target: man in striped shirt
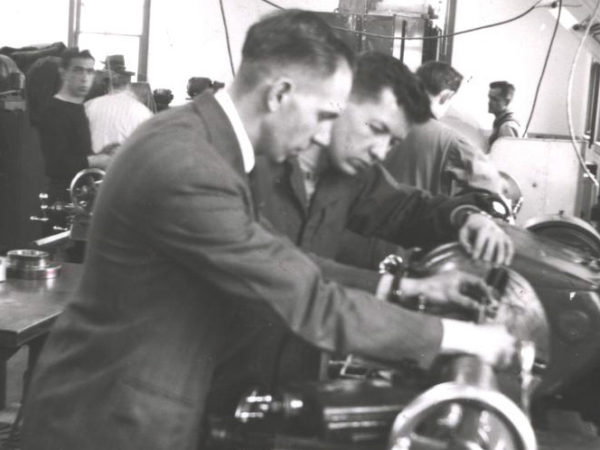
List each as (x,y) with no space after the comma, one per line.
(114,116)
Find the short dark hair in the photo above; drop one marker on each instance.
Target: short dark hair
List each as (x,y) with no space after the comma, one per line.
(437,76)
(376,71)
(72,53)
(507,90)
(293,36)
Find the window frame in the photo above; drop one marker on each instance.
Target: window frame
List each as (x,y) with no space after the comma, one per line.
(144,37)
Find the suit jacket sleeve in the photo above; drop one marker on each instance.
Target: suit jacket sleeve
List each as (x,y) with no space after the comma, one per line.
(351,276)
(340,272)
(196,212)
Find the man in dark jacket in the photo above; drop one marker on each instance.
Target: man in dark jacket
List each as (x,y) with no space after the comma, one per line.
(176,258)
(338,183)
(331,185)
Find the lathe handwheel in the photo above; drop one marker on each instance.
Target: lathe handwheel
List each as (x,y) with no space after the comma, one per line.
(406,434)
(512,192)
(84,188)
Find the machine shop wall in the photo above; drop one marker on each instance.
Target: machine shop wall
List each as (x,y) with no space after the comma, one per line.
(27,22)
(187,38)
(516,52)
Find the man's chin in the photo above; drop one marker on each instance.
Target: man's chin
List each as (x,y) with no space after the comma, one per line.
(276,157)
(349,169)
(280,156)
(357,167)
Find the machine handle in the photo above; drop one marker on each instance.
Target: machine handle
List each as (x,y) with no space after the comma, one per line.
(43,208)
(255,406)
(43,219)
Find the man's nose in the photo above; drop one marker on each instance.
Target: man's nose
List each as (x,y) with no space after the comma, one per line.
(322,137)
(380,149)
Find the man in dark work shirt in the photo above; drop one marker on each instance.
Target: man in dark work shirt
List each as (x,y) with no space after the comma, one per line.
(64,128)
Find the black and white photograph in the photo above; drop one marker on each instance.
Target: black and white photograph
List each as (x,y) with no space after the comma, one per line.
(299,225)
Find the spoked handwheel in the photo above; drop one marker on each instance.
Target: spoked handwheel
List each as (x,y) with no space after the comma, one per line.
(465,414)
(512,192)
(84,188)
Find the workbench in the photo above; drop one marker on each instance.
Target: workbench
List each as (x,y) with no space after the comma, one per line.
(28,308)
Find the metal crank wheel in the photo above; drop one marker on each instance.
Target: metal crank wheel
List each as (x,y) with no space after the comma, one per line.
(84,188)
(512,192)
(465,414)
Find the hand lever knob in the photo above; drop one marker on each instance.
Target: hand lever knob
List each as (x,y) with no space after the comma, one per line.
(43,217)
(43,201)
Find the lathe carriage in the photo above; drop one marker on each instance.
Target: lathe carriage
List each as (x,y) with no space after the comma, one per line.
(548,299)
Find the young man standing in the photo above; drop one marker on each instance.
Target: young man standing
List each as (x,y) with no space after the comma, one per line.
(64,128)
(505,124)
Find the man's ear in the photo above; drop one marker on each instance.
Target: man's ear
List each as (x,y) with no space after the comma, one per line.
(278,92)
(446,95)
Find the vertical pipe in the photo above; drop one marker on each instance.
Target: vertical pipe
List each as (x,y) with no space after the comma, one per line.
(449,26)
(74,22)
(142,72)
(402,41)
(593,104)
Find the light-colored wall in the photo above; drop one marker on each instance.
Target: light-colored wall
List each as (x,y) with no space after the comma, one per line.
(515,52)
(188,38)
(544,170)
(28,22)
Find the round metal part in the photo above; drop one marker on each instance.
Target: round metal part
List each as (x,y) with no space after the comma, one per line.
(84,188)
(519,307)
(481,418)
(512,191)
(572,231)
(30,265)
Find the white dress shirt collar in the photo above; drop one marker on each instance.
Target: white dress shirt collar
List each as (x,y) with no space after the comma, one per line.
(223,98)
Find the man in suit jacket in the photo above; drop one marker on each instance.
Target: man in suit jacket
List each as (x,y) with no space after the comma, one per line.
(176,257)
